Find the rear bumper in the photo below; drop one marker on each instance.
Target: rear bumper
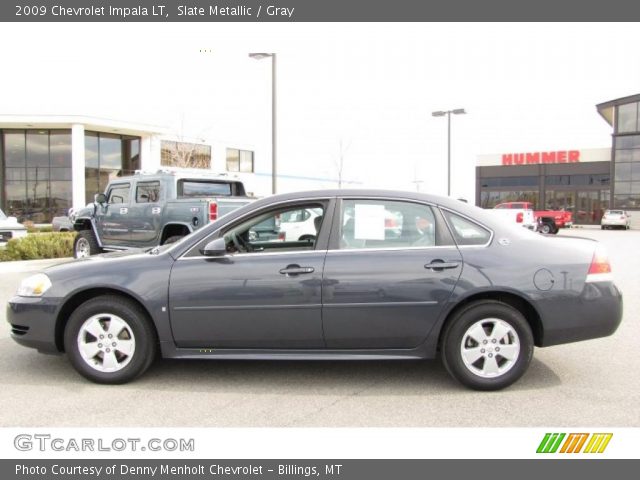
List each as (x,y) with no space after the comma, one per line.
(596,313)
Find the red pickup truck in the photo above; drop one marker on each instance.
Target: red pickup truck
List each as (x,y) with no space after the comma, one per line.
(561,218)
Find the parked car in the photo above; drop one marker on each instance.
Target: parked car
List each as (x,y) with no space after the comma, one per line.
(561,218)
(615,219)
(10,228)
(149,209)
(454,282)
(62,223)
(300,224)
(522,216)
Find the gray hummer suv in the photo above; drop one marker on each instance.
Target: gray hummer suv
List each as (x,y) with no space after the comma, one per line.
(150,209)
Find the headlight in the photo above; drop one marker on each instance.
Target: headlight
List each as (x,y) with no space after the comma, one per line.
(34,286)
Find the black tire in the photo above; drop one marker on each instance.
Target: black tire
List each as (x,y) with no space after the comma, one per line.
(602,227)
(85,244)
(545,228)
(457,331)
(137,328)
(172,239)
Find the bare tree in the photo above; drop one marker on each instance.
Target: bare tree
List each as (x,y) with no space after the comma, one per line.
(183,154)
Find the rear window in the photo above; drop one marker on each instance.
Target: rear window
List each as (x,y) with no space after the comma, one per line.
(465,231)
(615,212)
(199,188)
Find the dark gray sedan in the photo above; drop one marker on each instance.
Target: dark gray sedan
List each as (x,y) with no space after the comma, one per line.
(383,275)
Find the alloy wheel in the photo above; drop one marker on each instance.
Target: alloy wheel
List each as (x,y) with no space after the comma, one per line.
(490,348)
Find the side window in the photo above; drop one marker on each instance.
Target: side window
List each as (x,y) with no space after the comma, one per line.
(119,193)
(386,224)
(466,232)
(148,192)
(285,229)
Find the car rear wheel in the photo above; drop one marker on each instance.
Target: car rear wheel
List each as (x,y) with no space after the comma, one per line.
(85,244)
(487,345)
(109,339)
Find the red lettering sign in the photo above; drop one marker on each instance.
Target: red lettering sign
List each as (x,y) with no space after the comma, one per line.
(535,158)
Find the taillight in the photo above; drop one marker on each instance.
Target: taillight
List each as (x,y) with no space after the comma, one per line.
(600,268)
(282,236)
(520,217)
(213,211)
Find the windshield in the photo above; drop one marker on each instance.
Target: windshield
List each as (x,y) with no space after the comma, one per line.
(2,215)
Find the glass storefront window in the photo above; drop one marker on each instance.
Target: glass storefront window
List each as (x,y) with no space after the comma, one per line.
(185,154)
(626,201)
(626,142)
(489,199)
(239,160)
(627,118)
(60,148)
(14,148)
(37,164)
(108,156)
(623,187)
(37,148)
(623,172)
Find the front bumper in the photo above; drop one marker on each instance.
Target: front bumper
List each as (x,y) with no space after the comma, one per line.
(33,322)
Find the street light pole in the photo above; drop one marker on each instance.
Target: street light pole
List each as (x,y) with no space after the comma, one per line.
(274,117)
(442,113)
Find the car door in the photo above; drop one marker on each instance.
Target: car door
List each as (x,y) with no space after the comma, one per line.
(263,294)
(145,213)
(391,268)
(112,218)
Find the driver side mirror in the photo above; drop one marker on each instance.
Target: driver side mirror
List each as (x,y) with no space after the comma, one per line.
(100,198)
(215,248)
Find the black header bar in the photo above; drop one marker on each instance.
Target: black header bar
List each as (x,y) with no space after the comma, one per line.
(317,10)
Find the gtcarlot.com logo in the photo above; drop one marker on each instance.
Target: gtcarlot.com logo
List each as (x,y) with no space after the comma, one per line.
(574,443)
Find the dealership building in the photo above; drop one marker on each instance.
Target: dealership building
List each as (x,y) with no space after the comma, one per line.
(50,163)
(584,181)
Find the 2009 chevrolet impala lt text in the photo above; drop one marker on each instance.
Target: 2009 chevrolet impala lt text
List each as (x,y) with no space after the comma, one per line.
(366,275)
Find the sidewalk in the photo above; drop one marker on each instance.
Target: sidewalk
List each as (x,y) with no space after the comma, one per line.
(30,265)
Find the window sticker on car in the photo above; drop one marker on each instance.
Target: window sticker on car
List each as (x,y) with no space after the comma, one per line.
(369,222)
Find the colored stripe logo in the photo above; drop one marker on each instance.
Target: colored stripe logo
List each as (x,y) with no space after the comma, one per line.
(574,443)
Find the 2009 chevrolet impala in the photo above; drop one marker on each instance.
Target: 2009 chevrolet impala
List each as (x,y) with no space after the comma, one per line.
(372,275)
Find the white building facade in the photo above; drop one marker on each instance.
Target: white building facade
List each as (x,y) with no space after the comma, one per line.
(51,163)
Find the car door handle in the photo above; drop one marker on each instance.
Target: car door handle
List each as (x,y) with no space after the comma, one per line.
(124,210)
(438,265)
(296,270)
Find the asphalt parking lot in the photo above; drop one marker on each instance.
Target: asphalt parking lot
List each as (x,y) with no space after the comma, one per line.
(593,383)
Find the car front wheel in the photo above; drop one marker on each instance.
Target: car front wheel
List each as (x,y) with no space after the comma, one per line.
(487,345)
(85,244)
(109,339)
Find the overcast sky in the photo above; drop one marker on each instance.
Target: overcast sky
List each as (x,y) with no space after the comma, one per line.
(526,87)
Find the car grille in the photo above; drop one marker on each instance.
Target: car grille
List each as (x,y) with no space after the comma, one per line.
(19,329)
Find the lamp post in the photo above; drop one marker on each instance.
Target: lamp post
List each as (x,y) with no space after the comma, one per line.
(442,113)
(260,56)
